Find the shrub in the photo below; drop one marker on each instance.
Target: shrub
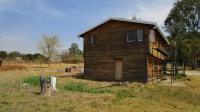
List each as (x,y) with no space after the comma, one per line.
(179,76)
(32,80)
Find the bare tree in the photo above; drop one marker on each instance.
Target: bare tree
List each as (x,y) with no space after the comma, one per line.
(48,46)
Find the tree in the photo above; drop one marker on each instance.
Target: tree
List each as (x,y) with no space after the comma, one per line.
(48,46)
(28,58)
(74,49)
(40,59)
(3,56)
(73,54)
(31,57)
(192,44)
(14,54)
(36,55)
(65,56)
(184,17)
(183,25)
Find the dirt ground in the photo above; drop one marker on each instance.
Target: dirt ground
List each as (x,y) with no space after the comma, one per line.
(193,73)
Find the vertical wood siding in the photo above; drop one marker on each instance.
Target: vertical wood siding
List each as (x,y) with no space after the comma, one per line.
(99,59)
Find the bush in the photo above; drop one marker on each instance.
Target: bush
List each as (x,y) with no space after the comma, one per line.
(179,76)
(32,80)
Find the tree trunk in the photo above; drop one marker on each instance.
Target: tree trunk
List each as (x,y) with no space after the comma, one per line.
(184,68)
(48,86)
(194,61)
(1,62)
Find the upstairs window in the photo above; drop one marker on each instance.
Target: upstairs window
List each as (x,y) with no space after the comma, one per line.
(140,35)
(92,40)
(135,35)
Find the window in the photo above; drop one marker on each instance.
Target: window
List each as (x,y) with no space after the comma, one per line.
(132,36)
(152,36)
(92,40)
(140,35)
(135,35)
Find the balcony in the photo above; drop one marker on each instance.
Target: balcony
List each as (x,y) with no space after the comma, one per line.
(158,50)
(163,51)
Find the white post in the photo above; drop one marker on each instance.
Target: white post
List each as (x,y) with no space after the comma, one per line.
(53,83)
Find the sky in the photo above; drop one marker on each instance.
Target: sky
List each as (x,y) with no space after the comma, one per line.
(24,22)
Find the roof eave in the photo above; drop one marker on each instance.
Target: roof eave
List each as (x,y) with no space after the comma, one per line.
(125,20)
(161,33)
(81,34)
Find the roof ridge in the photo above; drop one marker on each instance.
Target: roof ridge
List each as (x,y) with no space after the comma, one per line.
(128,20)
(131,20)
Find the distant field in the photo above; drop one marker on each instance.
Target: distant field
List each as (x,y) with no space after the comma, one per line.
(11,67)
(19,93)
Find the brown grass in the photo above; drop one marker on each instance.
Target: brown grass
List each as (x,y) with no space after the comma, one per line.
(18,97)
(11,67)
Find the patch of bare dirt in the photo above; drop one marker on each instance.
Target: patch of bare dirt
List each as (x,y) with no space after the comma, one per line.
(193,73)
(178,83)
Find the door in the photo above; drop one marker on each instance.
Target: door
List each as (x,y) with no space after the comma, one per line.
(118,69)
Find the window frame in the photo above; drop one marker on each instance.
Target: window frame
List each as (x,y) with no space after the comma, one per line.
(137,39)
(127,36)
(142,32)
(91,39)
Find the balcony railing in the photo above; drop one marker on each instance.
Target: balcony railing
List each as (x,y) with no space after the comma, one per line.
(158,50)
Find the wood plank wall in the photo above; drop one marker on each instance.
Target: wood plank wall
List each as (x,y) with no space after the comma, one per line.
(112,44)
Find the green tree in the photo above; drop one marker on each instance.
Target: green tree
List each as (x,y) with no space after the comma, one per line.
(74,49)
(192,46)
(73,54)
(40,59)
(3,56)
(65,56)
(36,55)
(14,54)
(183,25)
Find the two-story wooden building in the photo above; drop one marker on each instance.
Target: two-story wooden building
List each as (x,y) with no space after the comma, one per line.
(120,49)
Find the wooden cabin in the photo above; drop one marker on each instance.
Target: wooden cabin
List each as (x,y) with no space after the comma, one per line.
(120,49)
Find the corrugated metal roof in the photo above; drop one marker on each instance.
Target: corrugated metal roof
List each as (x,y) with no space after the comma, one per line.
(127,20)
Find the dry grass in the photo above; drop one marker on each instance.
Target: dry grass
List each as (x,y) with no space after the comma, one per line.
(77,95)
(11,67)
